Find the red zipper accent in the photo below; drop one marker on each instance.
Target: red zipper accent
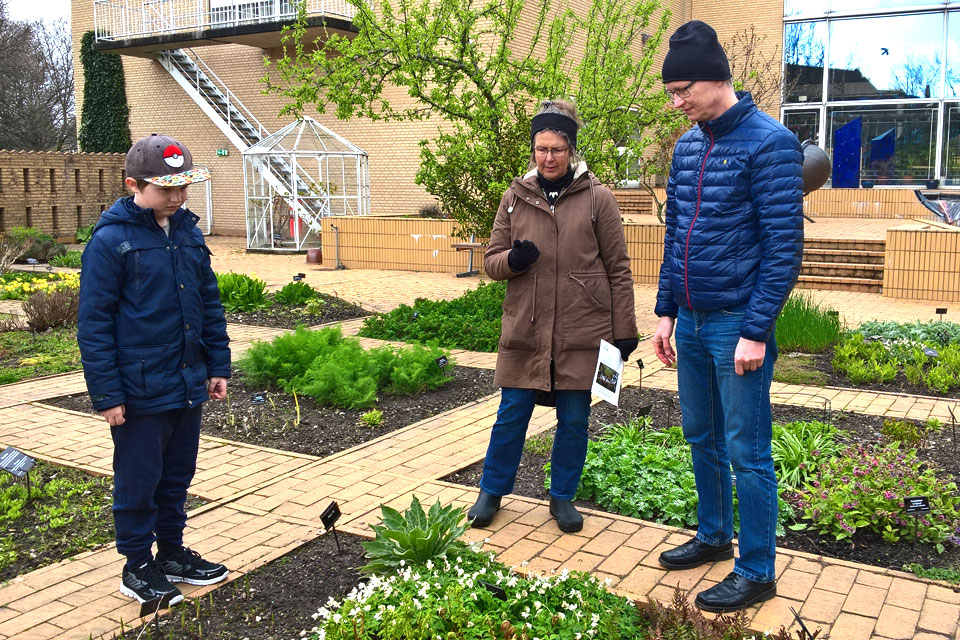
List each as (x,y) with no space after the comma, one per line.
(686,251)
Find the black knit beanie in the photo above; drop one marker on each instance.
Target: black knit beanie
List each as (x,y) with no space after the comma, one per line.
(695,54)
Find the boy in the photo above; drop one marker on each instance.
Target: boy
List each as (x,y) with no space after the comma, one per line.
(154,347)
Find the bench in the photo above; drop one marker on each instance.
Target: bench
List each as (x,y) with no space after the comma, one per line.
(471,247)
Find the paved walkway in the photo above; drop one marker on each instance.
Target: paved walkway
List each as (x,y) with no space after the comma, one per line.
(263,503)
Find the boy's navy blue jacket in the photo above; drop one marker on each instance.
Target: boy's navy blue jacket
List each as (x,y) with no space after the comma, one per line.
(152,329)
(734,218)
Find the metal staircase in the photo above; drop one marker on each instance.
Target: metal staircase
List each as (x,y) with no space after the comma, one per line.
(243,130)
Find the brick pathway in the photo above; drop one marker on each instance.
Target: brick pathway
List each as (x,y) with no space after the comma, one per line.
(263,503)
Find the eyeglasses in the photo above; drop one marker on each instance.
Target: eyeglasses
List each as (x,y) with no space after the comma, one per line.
(545,151)
(683,92)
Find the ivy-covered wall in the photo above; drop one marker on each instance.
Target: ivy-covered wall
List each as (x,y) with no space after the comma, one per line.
(104,126)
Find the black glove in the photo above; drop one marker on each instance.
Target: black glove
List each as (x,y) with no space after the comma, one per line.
(626,346)
(522,255)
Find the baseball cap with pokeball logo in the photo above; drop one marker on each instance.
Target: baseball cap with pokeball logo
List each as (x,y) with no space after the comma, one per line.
(163,161)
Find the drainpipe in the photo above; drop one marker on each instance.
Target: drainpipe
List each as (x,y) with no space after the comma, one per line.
(336,245)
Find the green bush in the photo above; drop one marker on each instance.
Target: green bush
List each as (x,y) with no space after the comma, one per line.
(414,537)
(85,233)
(864,488)
(39,245)
(294,293)
(69,259)
(336,370)
(805,325)
(470,322)
(241,293)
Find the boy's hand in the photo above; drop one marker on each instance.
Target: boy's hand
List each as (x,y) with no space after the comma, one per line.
(217,388)
(114,415)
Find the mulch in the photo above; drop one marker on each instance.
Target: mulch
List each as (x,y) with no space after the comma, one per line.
(283,316)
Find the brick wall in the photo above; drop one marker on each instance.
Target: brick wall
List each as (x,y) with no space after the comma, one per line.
(57,192)
(920,262)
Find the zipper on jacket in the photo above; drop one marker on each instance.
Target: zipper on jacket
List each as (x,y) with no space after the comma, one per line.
(533,314)
(686,251)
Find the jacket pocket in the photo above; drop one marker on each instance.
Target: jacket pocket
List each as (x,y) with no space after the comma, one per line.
(587,316)
(130,367)
(519,327)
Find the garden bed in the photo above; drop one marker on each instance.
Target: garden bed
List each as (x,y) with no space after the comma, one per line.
(275,602)
(287,316)
(866,547)
(322,430)
(69,512)
(25,354)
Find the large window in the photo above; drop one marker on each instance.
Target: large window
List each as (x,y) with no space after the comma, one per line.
(893,66)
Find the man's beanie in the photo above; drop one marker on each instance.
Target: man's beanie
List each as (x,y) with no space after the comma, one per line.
(695,54)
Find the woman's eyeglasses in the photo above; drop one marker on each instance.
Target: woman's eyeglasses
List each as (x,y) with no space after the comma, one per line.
(544,151)
(683,92)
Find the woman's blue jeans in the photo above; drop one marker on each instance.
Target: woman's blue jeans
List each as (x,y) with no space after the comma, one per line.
(509,433)
(727,420)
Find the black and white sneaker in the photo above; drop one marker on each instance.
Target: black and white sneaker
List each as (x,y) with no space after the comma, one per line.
(185,565)
(147,582)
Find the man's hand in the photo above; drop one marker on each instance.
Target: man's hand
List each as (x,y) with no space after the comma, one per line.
(661,341)
(217,388)
(749,355)
(114,415)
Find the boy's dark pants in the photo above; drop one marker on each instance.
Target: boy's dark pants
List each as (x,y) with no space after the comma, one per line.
(154,459)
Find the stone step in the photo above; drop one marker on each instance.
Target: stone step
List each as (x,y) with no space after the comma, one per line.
(844,244)
(842,255)
(833,283)
(843,270)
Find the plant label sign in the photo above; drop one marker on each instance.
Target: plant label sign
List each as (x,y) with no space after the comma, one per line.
(259,398)
(330,515)
(302,276)
(644,411)
(916,505)
(150,608)
(15,462)
(494,589)
(930,352)
(941,311)
(297,278)
(31,261)
(442,361)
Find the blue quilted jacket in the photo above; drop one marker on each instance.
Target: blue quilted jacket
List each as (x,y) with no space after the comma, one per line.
(152,329)
(734,218)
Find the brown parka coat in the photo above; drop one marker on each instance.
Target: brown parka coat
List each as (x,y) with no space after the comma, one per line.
(578,291)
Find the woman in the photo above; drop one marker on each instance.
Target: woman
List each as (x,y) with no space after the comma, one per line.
(558,240)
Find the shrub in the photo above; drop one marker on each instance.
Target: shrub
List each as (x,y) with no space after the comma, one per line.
(864,488)
(805,325)
(52,309)
(471,321)
(294,293)
(414,538)
(37,244)
(242,293)
(12,246)
(336,370)
(431,211)
(85,233)
(799,448)
(69,259)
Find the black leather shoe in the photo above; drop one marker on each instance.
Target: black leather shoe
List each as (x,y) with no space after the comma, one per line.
(695,553)
(481,513)
(734,593)
(568,518)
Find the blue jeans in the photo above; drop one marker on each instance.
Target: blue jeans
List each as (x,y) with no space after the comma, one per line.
(154,459)
(509,433)
(727,420)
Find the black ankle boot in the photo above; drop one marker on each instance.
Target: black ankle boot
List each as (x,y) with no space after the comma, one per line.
(481,514)
(568,518)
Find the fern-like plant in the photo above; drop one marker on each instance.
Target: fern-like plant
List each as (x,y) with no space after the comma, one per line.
(413,537)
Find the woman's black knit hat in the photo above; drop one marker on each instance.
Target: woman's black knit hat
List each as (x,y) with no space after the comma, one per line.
(695,54)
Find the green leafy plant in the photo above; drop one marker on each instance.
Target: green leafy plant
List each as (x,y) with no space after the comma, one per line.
(25,354)
(69,259)
(863,488)
(946,574)
(540,444)
(372,418)
(902,431)
(934,332)
(295,293)
(104,127)
(798,450)
(806,325)
(315,306)
(415,537)
(471,321)
(84,233)
(242,293)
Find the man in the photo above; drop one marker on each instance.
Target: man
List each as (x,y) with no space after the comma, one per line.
(732,254)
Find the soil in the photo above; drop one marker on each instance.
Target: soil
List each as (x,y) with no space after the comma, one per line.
(283,316)
(900,384)
(866,547)
(322,430)
(275,602)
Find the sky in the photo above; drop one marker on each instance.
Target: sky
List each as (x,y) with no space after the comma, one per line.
(47,10)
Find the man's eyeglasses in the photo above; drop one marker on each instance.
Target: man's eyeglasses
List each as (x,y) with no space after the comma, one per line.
(683,92)
(544,151)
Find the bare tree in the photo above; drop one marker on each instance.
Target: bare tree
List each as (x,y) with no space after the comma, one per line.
(36,85)
(755,67)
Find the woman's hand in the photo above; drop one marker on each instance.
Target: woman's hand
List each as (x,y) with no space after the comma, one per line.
(522,255)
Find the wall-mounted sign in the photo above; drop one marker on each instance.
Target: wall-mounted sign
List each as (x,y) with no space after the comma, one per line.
(223,152)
